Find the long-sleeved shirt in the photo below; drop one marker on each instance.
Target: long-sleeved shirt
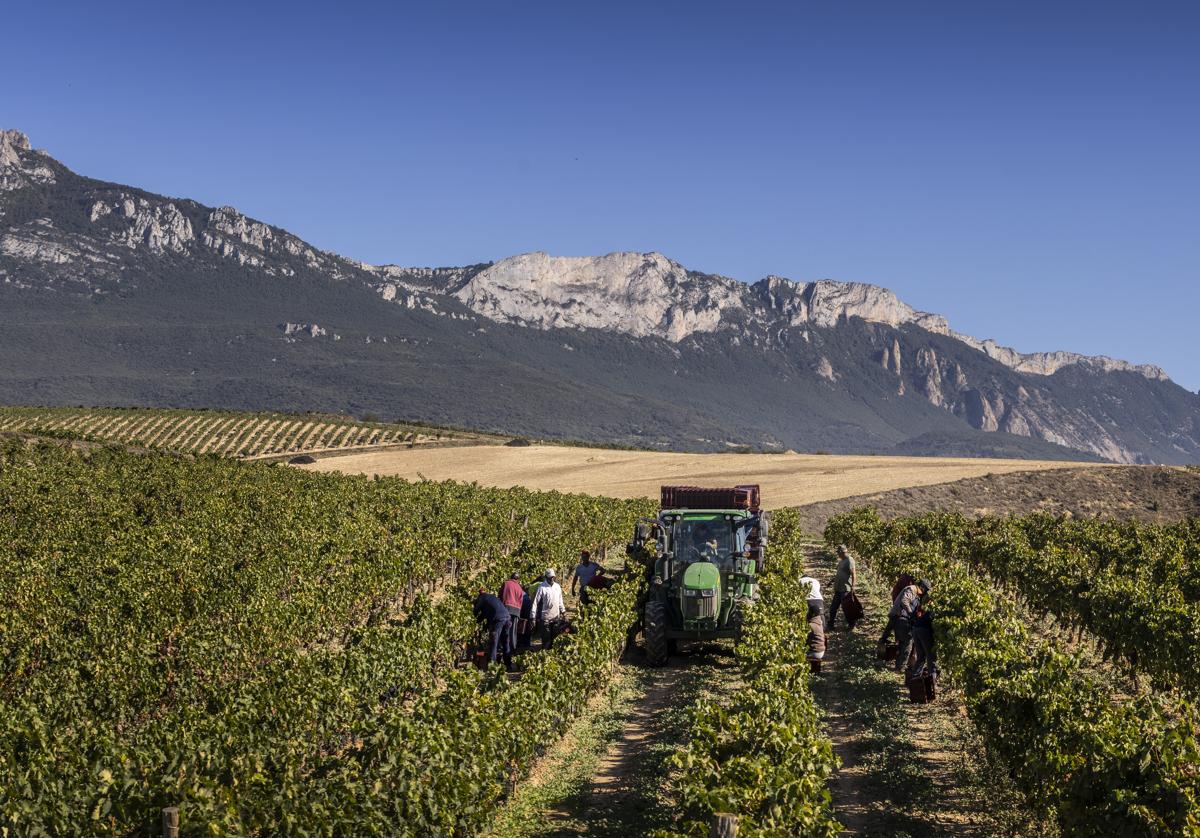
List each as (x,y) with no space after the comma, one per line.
(548,602)
(906,603)
(489,607)
(511,593)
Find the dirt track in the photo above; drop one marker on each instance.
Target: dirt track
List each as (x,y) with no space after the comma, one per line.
(787,479)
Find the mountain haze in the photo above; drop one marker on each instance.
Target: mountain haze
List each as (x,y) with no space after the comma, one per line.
(112,295)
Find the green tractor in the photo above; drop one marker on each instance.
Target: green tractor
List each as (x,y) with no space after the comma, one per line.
(707,547)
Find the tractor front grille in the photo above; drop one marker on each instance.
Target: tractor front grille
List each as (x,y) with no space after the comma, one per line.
(699,607)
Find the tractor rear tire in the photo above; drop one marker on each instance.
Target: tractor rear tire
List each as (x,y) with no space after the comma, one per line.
(736,623)
(654,629)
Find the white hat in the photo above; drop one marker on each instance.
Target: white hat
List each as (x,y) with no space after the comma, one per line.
(550,573)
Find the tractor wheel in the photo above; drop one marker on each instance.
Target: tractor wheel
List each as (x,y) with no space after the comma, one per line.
(654,630)
(735,623)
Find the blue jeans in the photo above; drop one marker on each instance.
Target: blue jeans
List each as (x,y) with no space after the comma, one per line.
(501,631)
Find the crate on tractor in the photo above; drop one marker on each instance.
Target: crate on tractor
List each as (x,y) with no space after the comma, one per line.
(697,497)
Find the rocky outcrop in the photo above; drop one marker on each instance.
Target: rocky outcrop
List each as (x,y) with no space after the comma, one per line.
(639,294)
(157,227)
(1048,363)
(248,242)
(891,359)
(825,369)
(312,330)
(12,142)
(39,251)
(20,165)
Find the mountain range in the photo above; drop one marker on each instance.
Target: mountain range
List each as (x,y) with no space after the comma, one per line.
(112,295)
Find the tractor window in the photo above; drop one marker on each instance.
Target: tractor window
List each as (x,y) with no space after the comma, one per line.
(697,537)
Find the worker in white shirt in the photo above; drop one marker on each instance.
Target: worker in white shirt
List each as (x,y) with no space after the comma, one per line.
(816,621)
(548,609)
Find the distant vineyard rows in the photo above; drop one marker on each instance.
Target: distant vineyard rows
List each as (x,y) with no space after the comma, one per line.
(230,434)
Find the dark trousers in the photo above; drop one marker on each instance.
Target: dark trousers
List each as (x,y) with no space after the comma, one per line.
(513,615)
(835,605)
(905,642)
(501,632)
(550,630)
(926,659)
(887,630)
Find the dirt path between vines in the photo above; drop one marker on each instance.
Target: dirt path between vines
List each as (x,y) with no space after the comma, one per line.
(609,775)
(906,769)
(628,793)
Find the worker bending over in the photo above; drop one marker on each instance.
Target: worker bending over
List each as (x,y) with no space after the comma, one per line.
(904,610)
(490,611)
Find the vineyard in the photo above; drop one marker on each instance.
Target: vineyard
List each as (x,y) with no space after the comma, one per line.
(264,648)
(1098,754)
(224,433)
(275,651)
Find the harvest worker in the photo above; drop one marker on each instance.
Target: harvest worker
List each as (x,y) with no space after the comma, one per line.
(904,609)
(922,634)
(492,613)
(583,574)
(527,608)
(512,595)
(845,578)
(902,582)
(816,622)
(548,609)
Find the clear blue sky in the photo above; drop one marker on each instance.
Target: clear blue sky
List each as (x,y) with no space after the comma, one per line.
(1029,169)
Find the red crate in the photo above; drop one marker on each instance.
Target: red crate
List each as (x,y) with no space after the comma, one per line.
(698,497)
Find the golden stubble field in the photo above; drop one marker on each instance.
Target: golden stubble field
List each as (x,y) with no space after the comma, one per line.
(787,479)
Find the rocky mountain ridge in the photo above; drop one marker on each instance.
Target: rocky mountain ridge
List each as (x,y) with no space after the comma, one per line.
(618,348)
(648,294)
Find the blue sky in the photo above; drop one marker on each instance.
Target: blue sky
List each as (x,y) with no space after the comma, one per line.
(1031,170)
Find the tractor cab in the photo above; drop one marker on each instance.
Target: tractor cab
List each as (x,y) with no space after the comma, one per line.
(708,552)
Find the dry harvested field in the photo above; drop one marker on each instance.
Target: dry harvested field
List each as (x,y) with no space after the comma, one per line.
(787,479)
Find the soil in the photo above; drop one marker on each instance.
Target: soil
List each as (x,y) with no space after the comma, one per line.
(786,479)
(1144,493)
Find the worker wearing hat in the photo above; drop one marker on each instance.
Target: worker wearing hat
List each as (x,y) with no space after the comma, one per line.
(844,580)
(904,609)
(548,608)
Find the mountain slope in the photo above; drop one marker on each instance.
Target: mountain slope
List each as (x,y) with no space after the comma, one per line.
(111,295)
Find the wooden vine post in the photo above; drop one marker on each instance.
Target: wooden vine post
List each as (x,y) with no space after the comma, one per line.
(170,816)
(723,826)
